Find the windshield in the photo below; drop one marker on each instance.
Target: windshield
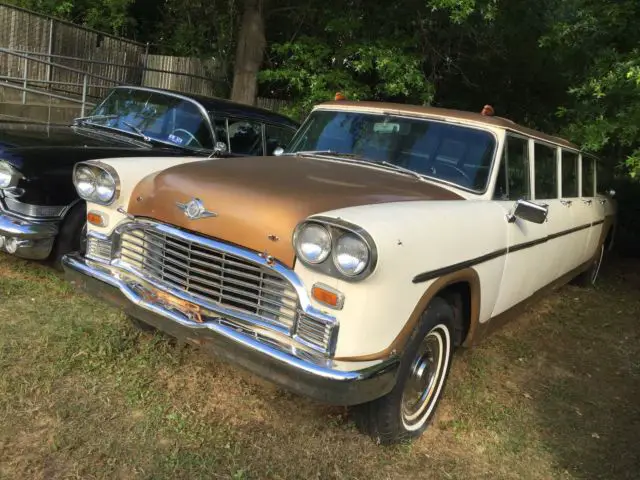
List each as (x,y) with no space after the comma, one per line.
(159,117)
(452,153)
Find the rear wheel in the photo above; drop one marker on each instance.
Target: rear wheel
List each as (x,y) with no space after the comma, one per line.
(406,411)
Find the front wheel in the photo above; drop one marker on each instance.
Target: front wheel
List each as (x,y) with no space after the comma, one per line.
(406,411)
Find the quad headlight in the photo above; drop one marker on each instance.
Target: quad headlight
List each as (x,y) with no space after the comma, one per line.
(96,182)
(335,247)
(9,176)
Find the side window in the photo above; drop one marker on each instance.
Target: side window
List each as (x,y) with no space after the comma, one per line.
(569,174)
(220,127)
(545,165)
(587,176)
(513,177)
(277,136)
(245,137)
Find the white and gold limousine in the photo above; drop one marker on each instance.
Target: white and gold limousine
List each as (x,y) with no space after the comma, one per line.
(349,267)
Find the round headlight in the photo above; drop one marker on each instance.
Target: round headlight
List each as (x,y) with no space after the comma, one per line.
(313,243)
(105,186)
(85,182)
(8,175)
(351,255)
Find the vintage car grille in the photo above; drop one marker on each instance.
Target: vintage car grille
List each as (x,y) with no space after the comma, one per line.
(313,332)
(209,274)
(36,211)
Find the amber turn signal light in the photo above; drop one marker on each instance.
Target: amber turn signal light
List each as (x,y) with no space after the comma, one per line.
(97,219)
(327,296)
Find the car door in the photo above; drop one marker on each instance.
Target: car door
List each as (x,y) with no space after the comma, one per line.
(526,268)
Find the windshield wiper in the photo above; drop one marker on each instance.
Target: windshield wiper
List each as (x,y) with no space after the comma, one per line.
(94,117)
(144,136)
(398,168)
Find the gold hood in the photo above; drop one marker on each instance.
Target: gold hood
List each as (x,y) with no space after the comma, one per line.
(259,201)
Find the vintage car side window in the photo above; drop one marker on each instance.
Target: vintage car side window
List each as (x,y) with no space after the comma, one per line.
(221,129)
(546,171)
(569,174)
(587,176)
(245,137)
(277,136)
(513,177)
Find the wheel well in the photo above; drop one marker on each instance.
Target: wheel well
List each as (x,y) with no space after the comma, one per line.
(608,241)
(458,295)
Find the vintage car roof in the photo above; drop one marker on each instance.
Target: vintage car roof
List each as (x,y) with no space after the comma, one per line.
(232,108)
(442,113)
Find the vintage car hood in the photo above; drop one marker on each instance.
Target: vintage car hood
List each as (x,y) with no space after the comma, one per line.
(260,199)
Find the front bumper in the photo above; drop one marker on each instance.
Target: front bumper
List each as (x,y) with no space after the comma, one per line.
(344,383)
(32,239)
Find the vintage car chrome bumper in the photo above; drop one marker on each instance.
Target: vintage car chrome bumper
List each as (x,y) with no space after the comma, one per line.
(26,238)
(338,383)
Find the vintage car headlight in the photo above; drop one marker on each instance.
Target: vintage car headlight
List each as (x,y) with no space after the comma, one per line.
(96,182)
(335,247)
(313,243)
(9,176)
(351,255)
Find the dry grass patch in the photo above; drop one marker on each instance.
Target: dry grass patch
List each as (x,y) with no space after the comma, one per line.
(82,395)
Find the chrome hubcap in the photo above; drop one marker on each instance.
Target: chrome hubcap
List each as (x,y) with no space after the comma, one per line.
(426,377)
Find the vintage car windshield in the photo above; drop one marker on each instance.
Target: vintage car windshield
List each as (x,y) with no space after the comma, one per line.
(452,153)
(161,117)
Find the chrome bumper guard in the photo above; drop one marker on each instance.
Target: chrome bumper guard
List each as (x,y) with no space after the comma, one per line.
(337,383)
(28,239)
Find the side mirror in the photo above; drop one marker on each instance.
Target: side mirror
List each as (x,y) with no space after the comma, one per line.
(220,147)
(528,211)
(278,151)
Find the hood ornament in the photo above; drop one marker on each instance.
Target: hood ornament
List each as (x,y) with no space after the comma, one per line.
(195,209)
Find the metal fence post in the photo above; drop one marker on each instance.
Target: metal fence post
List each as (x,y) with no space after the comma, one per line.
(50,52)
(84,94)
(24,84)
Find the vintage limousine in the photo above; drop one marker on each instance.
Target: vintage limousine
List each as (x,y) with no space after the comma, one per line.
(350,267)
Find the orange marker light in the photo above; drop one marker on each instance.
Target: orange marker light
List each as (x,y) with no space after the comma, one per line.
(328,297)
(97,219)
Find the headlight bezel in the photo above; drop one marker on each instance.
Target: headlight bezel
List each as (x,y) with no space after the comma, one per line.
(337,228)
(14,174)
(98,169)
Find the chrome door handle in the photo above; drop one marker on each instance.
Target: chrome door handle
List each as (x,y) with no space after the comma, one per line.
(603,201)
(566,203)
(587,202)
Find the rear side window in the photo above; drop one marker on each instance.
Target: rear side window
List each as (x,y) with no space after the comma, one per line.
(546,171)
(570,174)
(588,179)
(513,177)
(604,177)
(245,137)
(277,136)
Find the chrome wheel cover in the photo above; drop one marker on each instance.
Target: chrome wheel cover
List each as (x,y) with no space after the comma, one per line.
(426,377)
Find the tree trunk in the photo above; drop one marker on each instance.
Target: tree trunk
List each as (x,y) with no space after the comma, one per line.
(249,54)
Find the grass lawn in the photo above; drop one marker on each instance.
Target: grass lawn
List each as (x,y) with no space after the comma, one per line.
(82,395)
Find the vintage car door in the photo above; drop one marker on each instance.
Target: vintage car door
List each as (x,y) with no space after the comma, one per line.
(526,268)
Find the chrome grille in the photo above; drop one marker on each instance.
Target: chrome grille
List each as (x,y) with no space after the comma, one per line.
(98,249)
(36,211)
(314,332)
(209,274)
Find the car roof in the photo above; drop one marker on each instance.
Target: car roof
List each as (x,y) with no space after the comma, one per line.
(442,114)
(215,104)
